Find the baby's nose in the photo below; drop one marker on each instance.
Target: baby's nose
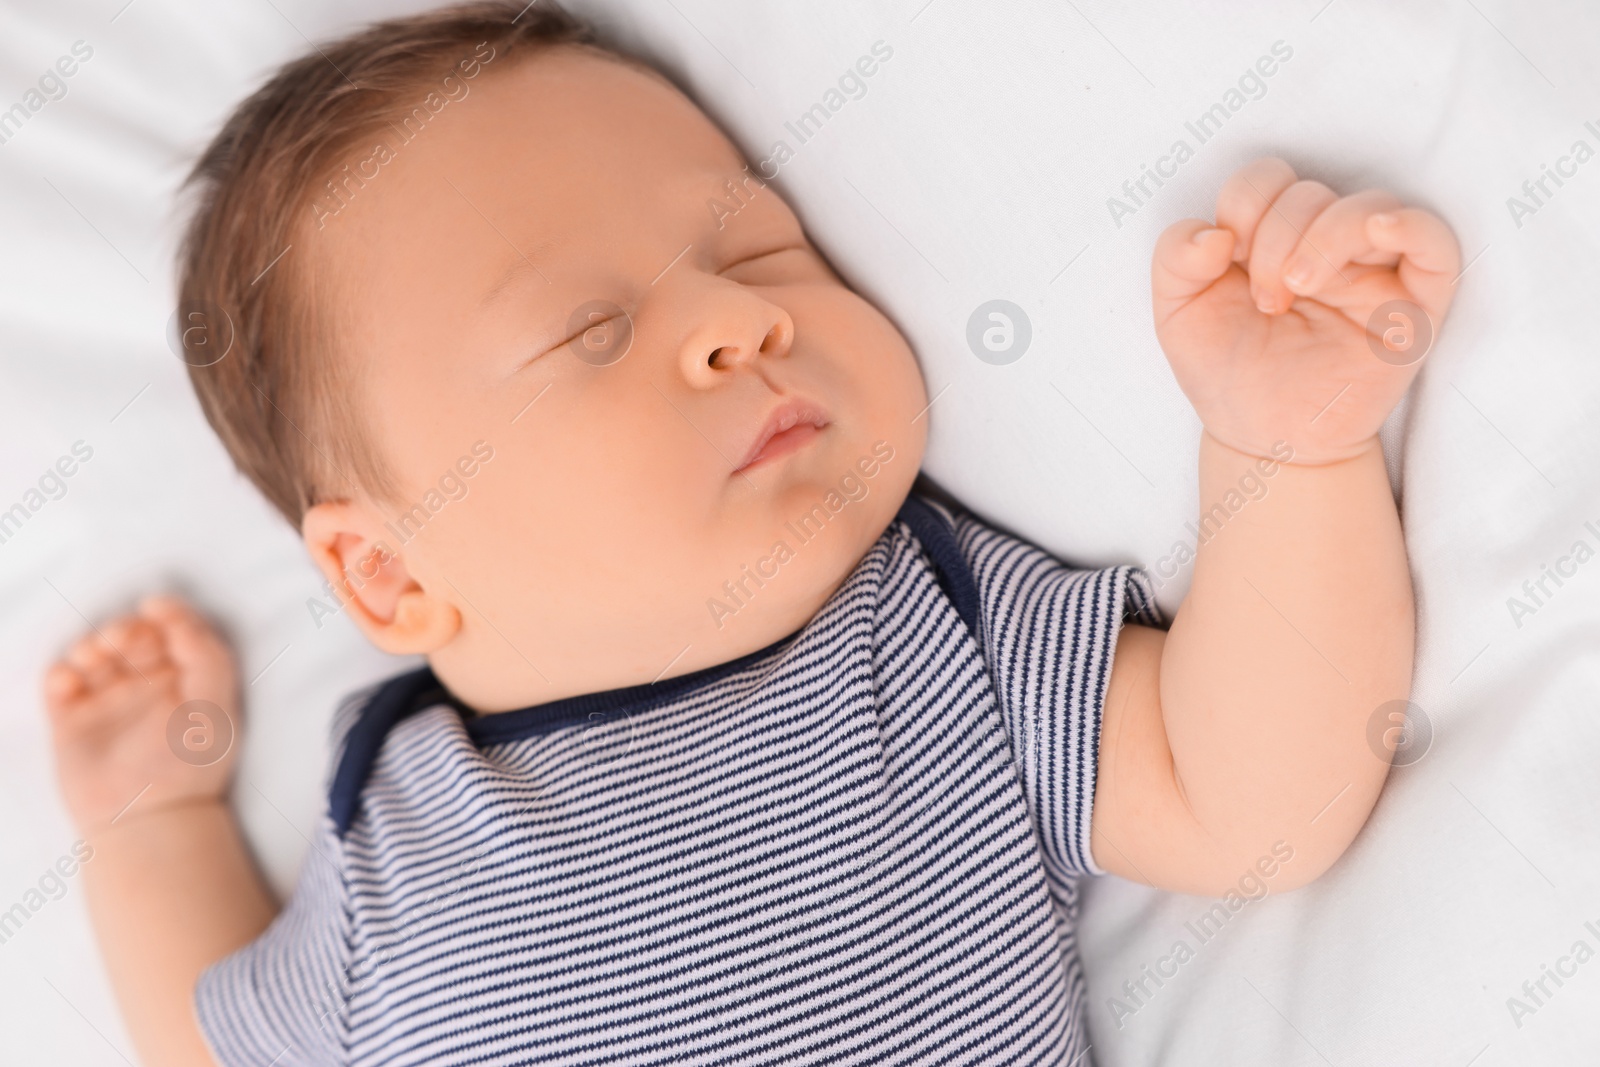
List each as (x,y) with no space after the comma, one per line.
(757,330)
(774,344)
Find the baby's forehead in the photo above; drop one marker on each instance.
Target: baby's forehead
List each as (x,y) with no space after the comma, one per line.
(565,141)
(595,117)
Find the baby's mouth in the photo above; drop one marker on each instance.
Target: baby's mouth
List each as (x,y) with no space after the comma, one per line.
(791,426)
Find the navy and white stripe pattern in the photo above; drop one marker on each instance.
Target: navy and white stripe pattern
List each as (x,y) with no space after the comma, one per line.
(858,844)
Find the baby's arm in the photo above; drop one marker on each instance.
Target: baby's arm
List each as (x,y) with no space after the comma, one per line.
(1246,725)
(170,886)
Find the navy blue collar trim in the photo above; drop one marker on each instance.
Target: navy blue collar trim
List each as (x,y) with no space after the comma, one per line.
(393,701)
(417,690)
(609,703)
(938,539)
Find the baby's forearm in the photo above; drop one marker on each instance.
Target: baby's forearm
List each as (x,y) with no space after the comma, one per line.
(1298,626)
(170,892)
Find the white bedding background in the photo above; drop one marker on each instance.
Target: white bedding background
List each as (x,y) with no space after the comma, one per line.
(974,164)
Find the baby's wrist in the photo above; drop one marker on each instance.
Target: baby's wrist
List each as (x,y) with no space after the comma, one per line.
(1286,453)
(154,818)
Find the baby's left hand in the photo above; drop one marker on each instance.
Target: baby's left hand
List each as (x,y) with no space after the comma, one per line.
(113,700)
(1274,321)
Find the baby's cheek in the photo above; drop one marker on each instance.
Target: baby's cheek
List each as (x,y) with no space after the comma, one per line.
(863,368)
(899,388)
(895,377)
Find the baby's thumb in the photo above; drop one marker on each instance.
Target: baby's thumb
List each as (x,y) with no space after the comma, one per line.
(1189,256)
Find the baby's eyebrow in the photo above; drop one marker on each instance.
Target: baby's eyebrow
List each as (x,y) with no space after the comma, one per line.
(519,268)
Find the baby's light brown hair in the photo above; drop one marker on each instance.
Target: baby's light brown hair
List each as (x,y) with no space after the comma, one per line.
(290,157)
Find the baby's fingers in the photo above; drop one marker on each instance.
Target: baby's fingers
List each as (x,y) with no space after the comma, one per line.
(1190,256)
(62,684)
(1247,196)
(1430,258)
(1335,238)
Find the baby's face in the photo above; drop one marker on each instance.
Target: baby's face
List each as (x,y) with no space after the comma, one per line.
(628,484)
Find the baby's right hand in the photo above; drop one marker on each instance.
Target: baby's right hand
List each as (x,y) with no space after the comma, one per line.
(1300,317)
(118,734)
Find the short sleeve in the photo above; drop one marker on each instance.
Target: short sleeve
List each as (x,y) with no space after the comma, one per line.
(1048,633)
(279,1001)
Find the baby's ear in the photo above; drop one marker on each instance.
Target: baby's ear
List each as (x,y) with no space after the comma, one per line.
(371,580)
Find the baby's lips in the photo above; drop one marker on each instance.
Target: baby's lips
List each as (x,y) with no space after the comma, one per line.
(793,412)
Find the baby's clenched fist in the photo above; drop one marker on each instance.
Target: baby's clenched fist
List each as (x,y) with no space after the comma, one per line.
(1300,316)
(143,715)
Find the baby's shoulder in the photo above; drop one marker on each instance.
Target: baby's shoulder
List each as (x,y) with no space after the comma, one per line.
(362,723)
(991,570)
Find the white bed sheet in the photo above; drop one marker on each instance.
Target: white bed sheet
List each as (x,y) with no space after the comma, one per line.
(975,165)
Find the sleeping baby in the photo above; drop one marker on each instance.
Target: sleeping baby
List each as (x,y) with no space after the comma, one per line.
(734,741)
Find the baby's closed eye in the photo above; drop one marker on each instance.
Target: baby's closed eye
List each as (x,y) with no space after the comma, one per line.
(775,266)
